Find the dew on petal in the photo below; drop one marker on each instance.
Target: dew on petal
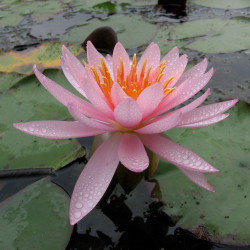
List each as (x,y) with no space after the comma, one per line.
(77,214)
(79,205)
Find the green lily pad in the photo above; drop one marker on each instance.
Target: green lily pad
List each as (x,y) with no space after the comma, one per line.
(213,35)
(29,101)
(12,13)
(95,6)
(223,4)
(9,80)
(223,216)
(138,2)
(35,218)
(130,30)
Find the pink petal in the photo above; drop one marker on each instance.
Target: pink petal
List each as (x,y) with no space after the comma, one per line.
(199,179)
(94,57)
(195,103)
(161,124)
(176,154)
(171,57)
(208,122)
(153,56)
(127,113)
(206,112)
(73,70)
(194,72)
(117,94)
(175,71)
(63,95)
(120,52)
(94,179)
(96,99)
(57,129)
(150,98)
(132,153)
(76,111)
(183,92)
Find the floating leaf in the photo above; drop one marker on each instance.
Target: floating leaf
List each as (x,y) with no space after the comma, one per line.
(212,35)
(29,101)
(13,12)
(132,30)
(223,4)
(138,2)
(222,216)
(9,80)
(46,56)
(35,218)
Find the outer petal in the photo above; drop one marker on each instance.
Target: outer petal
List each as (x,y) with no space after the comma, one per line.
(57,129)
(208,122)
(73,70)
(194,72)
(127,113)
(132,153)
(76,112)
(206,112)
(150,98)
(161,124)
(195,103)
(117,94)
(153,56)
(94,179)
(183,92)
(199,179)
(63,95)
(120,52)
(176,154)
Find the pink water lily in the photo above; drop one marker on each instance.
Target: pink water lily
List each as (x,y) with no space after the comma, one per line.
(133,104)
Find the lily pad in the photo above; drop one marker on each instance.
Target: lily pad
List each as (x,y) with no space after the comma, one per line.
(29,101)
(223,216)
(95,6)
(35,218)
(138,2)
(130,30)
(9,80)
(213,35)
(46,56)
(39,11)
(223,4)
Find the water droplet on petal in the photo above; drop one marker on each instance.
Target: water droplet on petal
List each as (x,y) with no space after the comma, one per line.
(77,215)
(79,205)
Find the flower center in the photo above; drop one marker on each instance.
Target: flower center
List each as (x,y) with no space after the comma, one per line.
(132,83)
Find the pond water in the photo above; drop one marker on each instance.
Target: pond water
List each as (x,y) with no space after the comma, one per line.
(134,220)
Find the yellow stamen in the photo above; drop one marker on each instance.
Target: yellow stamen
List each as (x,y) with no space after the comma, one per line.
(167,82)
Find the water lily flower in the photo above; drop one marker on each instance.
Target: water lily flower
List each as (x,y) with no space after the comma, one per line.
(133,104)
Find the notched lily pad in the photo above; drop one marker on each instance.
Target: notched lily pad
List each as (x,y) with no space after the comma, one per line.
(45,56)
(130,30)
(35,218)
(222,217)
(29,101)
